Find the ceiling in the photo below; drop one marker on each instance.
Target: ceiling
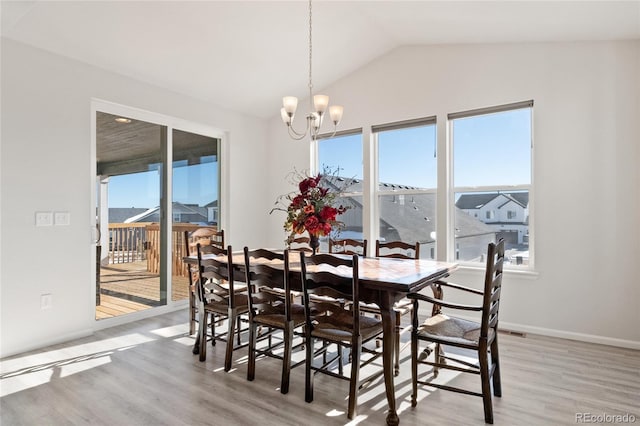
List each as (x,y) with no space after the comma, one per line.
(246,55)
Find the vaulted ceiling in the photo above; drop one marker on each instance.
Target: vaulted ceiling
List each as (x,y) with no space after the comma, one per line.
(246,55)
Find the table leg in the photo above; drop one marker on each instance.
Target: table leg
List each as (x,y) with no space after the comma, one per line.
(388,350)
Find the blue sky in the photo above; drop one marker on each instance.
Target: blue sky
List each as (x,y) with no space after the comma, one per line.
(196,184)
(492,149)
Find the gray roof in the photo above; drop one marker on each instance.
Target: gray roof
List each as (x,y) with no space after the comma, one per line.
(405,217)
(476,201)
(120,214)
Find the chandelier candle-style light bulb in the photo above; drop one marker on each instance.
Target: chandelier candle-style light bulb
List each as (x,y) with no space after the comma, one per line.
(320,104)
(335,111)
(290,104)
(285,117)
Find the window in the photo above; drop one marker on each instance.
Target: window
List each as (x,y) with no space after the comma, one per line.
(407,182)
(492,173)
(483,193)
(342,156)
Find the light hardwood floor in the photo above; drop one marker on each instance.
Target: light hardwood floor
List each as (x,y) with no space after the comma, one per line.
(145,374)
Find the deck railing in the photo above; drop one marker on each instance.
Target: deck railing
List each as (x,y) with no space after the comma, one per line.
(135,242)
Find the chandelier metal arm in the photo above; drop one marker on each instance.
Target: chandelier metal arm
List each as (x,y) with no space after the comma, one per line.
(318,104)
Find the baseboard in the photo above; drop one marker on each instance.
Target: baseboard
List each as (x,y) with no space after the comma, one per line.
(42,343)
(582,337)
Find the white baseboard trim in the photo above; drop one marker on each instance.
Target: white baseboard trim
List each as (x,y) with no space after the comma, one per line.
(41,343)
(582,337)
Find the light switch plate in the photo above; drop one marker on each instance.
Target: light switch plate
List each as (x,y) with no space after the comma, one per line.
(44,218)
(62,218)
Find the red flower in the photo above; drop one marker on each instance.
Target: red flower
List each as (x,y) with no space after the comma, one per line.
(311,224)
(308,209)
(328,213)
(297,201)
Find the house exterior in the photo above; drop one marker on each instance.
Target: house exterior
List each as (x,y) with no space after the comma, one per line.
(506,213)
(412,218)
(185,213)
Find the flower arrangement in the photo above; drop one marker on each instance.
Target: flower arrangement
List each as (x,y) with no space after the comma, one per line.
(312,208)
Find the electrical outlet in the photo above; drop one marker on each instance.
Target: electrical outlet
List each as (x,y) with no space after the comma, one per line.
(62,218)
(46,301)
(44,218)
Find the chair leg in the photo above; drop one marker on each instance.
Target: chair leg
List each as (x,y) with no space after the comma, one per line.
(486,386)
(231,322)
(251,363)
(438,359)
(202,334)
(396,367)
(192,313)
(414,369)
(340,368)
(355,378)
(239,328)
(286,356)
(213,329)
(495,360)
(308,376)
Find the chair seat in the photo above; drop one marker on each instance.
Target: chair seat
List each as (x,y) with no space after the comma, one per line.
(340,327)
(453,330)
(222,307)
(277,319)
(237,287)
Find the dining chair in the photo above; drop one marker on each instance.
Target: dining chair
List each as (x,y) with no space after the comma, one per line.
(348,246)
(301,244)
(218,301)
(397,250)
(481,337)
(331,323)
(271,307)
(206,237)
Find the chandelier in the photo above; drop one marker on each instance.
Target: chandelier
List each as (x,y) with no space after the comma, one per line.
(318,105)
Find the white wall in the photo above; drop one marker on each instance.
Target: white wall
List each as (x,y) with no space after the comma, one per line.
(586,204)
(45,166)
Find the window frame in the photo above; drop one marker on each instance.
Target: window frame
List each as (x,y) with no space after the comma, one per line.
(452,190)
(445,247)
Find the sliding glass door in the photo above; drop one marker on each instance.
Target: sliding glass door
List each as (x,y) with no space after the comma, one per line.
(195,198)
(156,178)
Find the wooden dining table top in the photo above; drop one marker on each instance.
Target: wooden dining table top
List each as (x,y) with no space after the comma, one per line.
(398,275)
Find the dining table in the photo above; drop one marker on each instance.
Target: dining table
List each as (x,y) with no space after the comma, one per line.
(383,281)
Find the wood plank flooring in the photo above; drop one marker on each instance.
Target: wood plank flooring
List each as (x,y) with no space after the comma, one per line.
(128,287)
(144,373)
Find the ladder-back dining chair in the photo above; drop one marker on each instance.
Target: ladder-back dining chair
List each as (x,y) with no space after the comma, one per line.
(481,337)
(331,323)
(271,308)
(205,237)
(348,246)
(218,301)
(397,250)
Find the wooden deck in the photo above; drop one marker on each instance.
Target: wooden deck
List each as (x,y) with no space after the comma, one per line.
(128,287)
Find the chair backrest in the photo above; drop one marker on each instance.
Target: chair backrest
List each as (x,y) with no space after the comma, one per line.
(213,271)
(397,249)
(492,288)
(262,278)
(301,244)
(348,246)
(319,277)
(204,237)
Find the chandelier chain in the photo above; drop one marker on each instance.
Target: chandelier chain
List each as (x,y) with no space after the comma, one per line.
(310,51)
